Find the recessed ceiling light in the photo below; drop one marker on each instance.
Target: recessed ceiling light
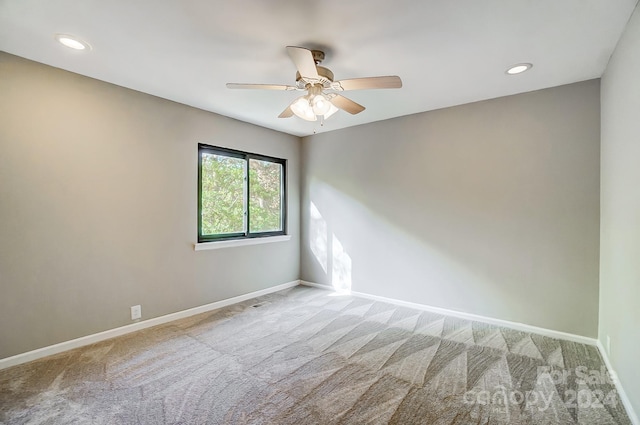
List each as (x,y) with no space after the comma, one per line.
(72,42)
(519,68)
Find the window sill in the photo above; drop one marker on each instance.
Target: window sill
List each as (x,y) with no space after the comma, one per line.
(239,242)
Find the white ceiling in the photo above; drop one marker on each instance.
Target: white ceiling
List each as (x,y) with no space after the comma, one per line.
(447,52)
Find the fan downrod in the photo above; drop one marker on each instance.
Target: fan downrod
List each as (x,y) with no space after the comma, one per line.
(318,56)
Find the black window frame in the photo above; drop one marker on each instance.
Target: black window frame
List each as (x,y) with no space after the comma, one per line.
(247,156)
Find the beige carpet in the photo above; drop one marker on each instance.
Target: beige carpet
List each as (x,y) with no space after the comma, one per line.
(303,356)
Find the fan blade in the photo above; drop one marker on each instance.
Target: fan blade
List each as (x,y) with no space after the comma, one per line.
(260,86)
(388,82)
(286,113)
(303,60)
(346,104)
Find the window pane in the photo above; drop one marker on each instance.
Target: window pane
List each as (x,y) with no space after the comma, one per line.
(265,196)
(222,194)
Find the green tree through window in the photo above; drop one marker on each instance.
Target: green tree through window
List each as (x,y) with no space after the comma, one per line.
(240,194)
(265,180)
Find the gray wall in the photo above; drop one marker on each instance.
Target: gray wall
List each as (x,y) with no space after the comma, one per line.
(489,208)
(98,207)
(620,203)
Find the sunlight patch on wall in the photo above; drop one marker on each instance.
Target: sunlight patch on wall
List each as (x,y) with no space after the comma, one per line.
(341,267)
(329,252)
(318,237)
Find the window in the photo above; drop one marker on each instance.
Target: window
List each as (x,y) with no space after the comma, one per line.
(240,194)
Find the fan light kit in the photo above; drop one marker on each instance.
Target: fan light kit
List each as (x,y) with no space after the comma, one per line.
(72,42)
(313,105)
(519,68)
(321,100)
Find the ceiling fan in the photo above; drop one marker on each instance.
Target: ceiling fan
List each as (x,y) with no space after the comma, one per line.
(321,100)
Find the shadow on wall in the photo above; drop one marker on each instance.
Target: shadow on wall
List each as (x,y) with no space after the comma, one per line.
(329,252)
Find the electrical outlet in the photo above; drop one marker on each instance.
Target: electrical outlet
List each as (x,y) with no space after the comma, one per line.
(608,345)
(136,312)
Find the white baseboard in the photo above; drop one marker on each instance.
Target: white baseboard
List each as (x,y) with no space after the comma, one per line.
(468,316)
(111,333)
(626,401)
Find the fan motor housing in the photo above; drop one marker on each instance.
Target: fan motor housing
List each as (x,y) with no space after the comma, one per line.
(326,76)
